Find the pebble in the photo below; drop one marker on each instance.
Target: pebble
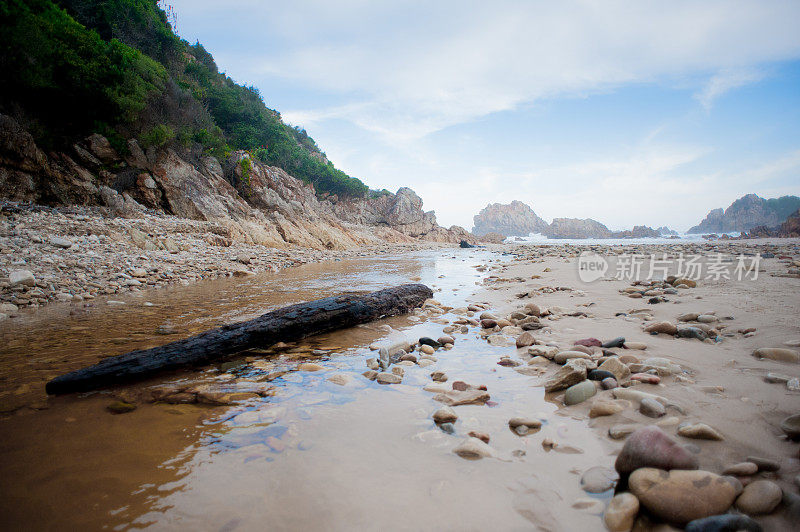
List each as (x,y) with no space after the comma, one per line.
(445,415)
(724,523)
(340,379)
(61,242)
(609,383)
(121,407)
(565,377)
(651,447)
(398,371)
(21,277)
(638,346)
(617,432)
(651,408)
(480,435)
(620,371)
(621,512)
(370,374)
(616,342)
(741,469)
(563,356)
(457,398)
(429,342)
(310,366)
(446,340)
(605,408)
(700,431)
(764,464)
(439,376)
(580,392)
(646,378)
(474,449)
(759,497)
(791,427)
(426,349)
(662,327)
(388,378)
(681,496)
(523,425)
(525,339)
(779,354)
(372,363)
(449,428)
(546,351)
(589,342)
(599,479)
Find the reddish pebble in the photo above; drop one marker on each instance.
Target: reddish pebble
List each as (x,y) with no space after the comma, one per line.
(646,377)
(480,435)
(589,342)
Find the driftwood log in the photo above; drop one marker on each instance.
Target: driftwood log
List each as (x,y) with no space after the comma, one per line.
(286,324)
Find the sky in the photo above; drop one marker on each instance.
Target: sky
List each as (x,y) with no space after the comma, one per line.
(630,113)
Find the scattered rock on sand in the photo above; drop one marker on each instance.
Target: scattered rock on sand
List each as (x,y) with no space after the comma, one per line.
(759,497)
(604,407)
(741,469)
(565,377)
(468,397)
(525,339)
(616,342)
(388,378)
(439,376)
(121,407)
(651,408)
(474,449)
(764,464)
(609,383)
(621,371)
(310,366)
(621,512)
(21,277)
(779,354)
(480,435)
(580,392)
(700,431)
(599,479)
(682,496)
(651,447)
(617,432)
(662,327)
(340,378)
(791,427)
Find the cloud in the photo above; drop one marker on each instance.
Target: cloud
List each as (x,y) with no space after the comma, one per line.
(413,68)
(725,81)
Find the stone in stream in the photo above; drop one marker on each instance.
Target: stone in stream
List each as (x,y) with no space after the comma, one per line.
(445,415)
(474,449)
(616,342)
(480,435)
(621,512)
(523,425)
(564,378)
(449,428)
(398,371)
(429,341)
(599,479)
(589,342)
(681,496)
(546,351)
(724,523)
(388,378)
(426,349)
(370,374)
(651,408)
(408,357)
(699,431)
(488,324)
(779,354)
(310,366)
(617,432)
(759,497)
(791,427)
(742,469)
(599,374)
(621,371)
(439,376)
(340,378)
(446,340)
(457,398)
(580,392)
(651,447)
(120,407)
(661,327)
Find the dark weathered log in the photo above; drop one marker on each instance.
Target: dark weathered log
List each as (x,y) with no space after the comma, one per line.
(286,324)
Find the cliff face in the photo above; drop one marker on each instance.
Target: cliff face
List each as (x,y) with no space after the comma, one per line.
(253,202)
(576,228)
(513,219)
(788,229)
(748,212)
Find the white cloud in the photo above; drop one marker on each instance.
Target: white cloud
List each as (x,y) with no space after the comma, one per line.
(725,81)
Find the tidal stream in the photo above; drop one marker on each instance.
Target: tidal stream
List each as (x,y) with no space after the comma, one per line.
(308,454)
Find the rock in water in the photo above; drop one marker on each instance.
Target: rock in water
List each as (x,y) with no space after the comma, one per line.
(682,496)
(651,408)
(724,523)
(605,408)
(445,415)
(457,398)
(621,512)
(621,371)
(759,497)
(388,378)
(579,392)
(120,407)
(523,425)
(651,447)
(473,449)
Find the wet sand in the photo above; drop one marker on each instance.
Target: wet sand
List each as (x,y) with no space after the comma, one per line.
(313,454)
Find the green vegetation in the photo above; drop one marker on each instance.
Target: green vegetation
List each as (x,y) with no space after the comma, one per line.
(72,67)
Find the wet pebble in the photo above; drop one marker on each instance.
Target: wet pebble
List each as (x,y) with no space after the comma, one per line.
(474,449)
(388,378)
(580,392)
(759,497)
(651,447)
(445,415)
(699,431)
(741,469)
(724,523)
(599,479)
(621,512)
(651,408)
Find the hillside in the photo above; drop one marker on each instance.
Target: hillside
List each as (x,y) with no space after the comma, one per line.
(71,68)
(748,212)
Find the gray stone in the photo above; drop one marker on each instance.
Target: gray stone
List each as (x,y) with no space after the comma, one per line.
(580,392)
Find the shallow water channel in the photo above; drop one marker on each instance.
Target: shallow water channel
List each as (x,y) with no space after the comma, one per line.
(309,454)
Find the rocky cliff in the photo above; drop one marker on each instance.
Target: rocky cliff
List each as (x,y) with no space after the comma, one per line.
(513,219)
(576,228)
(252,202)
(748,212)
(788,229)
